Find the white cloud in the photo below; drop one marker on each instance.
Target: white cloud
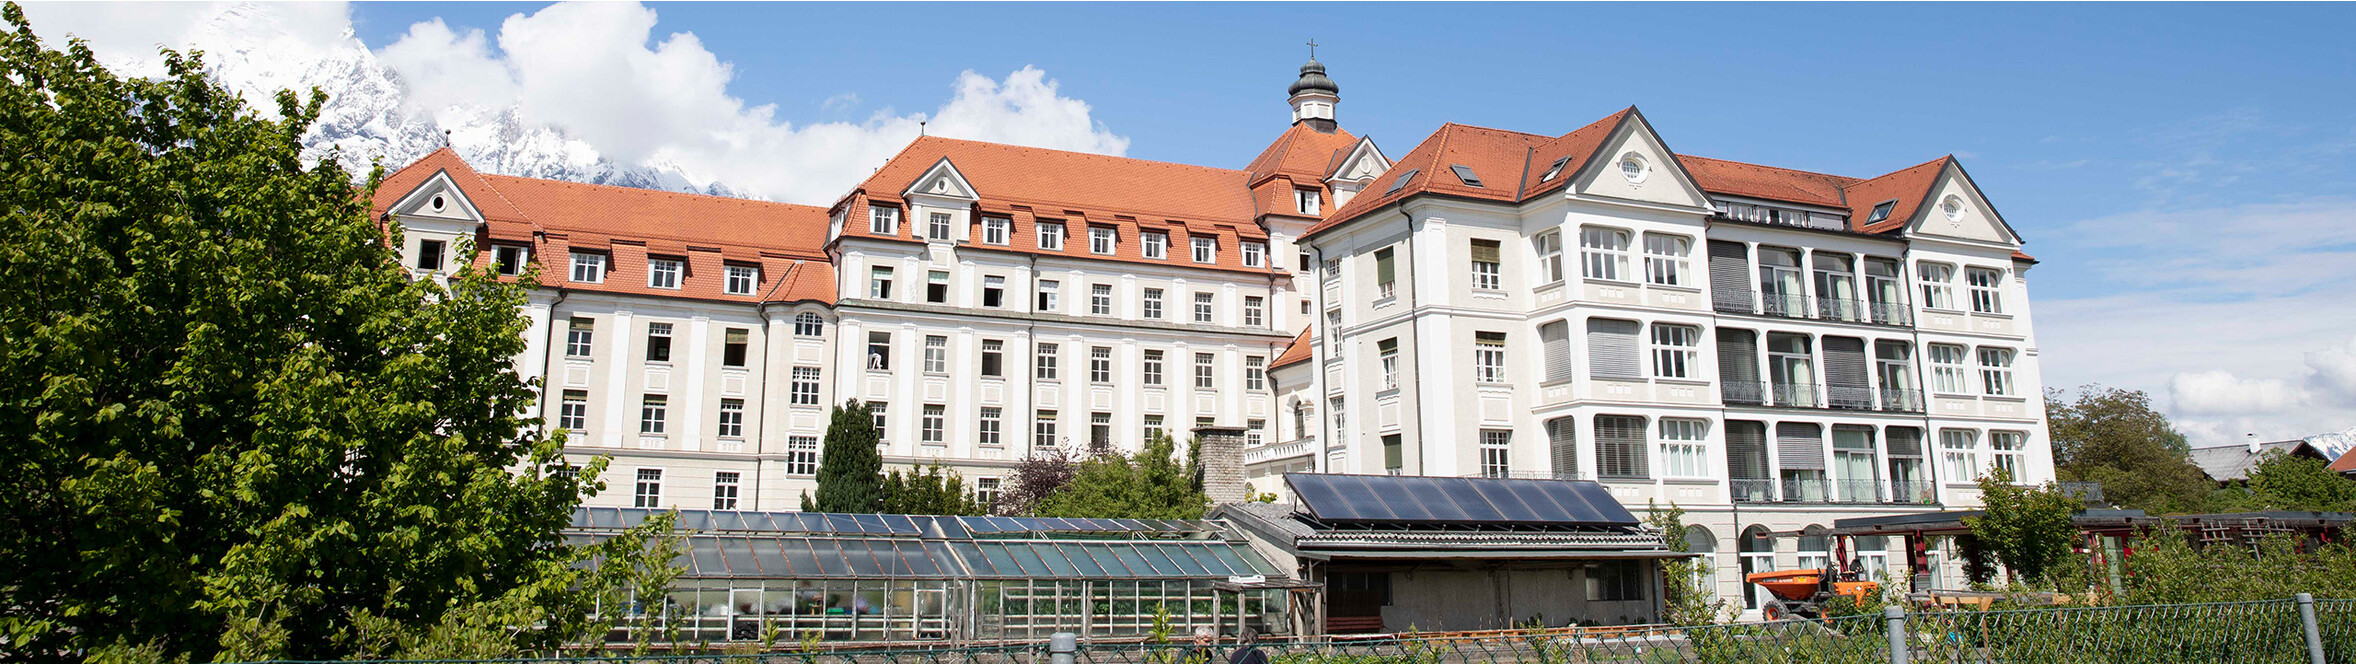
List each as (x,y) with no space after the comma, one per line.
(2334,370)
(2220,392)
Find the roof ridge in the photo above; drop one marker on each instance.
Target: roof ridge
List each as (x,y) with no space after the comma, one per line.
(1786,168)
(1077,153)
(643,190)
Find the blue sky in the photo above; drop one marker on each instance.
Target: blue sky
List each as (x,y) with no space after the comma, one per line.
(2183,170)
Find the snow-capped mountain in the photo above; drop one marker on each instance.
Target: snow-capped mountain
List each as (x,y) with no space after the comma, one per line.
(368,115)
(2335,443)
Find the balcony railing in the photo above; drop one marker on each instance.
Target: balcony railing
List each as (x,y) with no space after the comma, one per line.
(1784,304)
(1533,475)
(1828,308)
(1752,490)
(1733,302)
(1832,491)
(1743,392)
(1893,313)
(1851,397)
(1795,395)
(1912,493)
(1805,306)
(1901,401)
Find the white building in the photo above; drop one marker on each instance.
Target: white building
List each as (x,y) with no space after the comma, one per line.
(1770,349)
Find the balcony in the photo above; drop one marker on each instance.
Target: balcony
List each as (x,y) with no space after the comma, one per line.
(1892,313)
(1901,401)
(1795,395)
(1299,447)
(1743,392)
(1784,305)
(1853,311)
(1849,397)
(1733,302)
(1912,493)
(1752,490)
(1834,492)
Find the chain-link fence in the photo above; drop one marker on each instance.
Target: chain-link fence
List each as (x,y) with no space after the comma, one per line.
(2261,632)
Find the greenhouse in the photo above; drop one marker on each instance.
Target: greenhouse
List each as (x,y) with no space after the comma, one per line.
(907,578)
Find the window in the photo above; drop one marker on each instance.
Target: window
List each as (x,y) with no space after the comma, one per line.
(1100,299)
(1619,447)
(1202,307)
(651,414)
(1255,310)
(1153,427)
(1555,338)
(1333,270)
(1153,303)
(650,488)
(1487,272)
(1101,240)
(2009,451)
(1947,373)
(1554,170)
(1960,448)
(879,283)
(1388,350)
(658,342)
(1308,201)
(1489,357)
(1203,371)
(1667,260)
(1401,181)
(1255,254)
(1465,175)
(1617,581)
(733,346)
(1496,453)
(1156,245)
(1996,371)
(1255,373)
(805,386)
(801,455)
(1394,454)
(1612,352)
(1046,361)
(740,279)
(574,413)
(992,419)
(663,273)
(731,418)
(995,230)
(724,490)
(1206,250)
(1100,364)
(1549,245)
(882,417)
(879,351)
(986,491)
(1386,273)
(429,254)
(509,259)
(577,339)
(1153,367)
(936,286)
(588,268)
(1340,418)
(1603,254)
(1050,236)
(993,292)
(1100,431)
(1880,212)
(939,222)
(1048,292)
(1682,448)
(1984,284)
(929,427)
(936,354)
(883,220)
(1043,430)
(1254,432)
(1305,262)
(993,358)
(1938,285)
(809,324)
(1676,350)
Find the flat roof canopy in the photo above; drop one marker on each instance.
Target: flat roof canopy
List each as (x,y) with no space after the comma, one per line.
(1456,500)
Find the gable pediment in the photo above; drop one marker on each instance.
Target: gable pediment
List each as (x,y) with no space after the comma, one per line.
(1634,164)
(1955,208)
(1363,162)
(439,197)
(942,181)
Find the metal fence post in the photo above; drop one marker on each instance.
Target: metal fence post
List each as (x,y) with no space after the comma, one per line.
(2307,623)
(1061,646)
(1897,620)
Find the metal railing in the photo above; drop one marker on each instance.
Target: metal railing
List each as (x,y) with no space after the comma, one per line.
(1849,397)
(1752,490)
(1795,395)
(1913,493)
(1784,305)
(1734,301)
(1743,392)
(1833,308)
(1901,401)
(1893,313)
(1533,475)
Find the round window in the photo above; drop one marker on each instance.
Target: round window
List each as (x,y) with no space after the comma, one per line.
(1953,206)
(1633,167)
(437,202)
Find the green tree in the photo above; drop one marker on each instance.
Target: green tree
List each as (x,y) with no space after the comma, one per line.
(2284,482)
(2114,437)
(238,429)
(1688,601)
(2027,528)
(934,490)
(850,470)
(1153,484)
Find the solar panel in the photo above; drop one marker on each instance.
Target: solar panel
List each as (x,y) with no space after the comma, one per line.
(1409,499)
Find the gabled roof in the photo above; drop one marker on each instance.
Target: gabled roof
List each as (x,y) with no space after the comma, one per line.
(1496,156)
(2345,464)
(1303,152)
(1768,182)
(2227,463)
(1300,350)
(1909,186)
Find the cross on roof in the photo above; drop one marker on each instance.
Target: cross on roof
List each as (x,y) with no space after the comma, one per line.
(1312,48)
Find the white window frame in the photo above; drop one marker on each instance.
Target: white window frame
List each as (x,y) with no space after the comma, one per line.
(801,455)
(1603,253)
(1496,453)
(1206,249)
(1255,254)
(1154,244)
(1987,289)
(1549,247)
(882,220)
(997,230)
(1151,367)
(1050,296)
(940,225)
(580,337)
(1043,430)
(1489,357)
(1960,450)
(1684,447)
(740,279)
(1676,350)
(1489,275)
(1388,351)
(805,386)
(1255,373)
(879,282)
(2009,450)
(1103,240)
(664,273)
(1045,361)
(724,489)
(1153,304)
(1206,371)
(588,268)
(731,420)
(1050,236)
(509,259)
(1255,310)
(1938,285)
(809,325)
(648,492)
(989,431)
(572,413)
(1100,299)
(936,354)
(932,424)
(1100,365)
(654,415)
(1668,259)
(1308,201)
(1996,371)
(1206,307)
(1948,375)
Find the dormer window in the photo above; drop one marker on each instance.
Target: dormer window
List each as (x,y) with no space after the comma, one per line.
(940,226)
(509,259)
(1051,237)
(1101,240)
(1255,254)
(883,220)
(1156,245)
(1310,201)
(1206,250)
(429,254)
(1881,212)
(996,229)
(1555,170)
(663,273)
(741,279)
(588,268)
(1465,174)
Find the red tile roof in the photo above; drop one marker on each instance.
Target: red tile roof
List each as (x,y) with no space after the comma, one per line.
(1908,186)
(708,232)
(1767,182)
(1298,352)
(2345,464)
(1495,156)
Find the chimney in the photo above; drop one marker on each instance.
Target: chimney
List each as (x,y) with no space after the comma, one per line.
(1222,461)
(2253,438)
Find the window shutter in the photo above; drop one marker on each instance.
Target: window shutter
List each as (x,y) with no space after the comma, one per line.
(1612,348)
(1738,357)
(1556,337)
(1800,446)
(1730,273)
(1619,446)
(1905,442)
(1746,450)
(1563,441)
(1384,270)
(1844,362)
(1484,251)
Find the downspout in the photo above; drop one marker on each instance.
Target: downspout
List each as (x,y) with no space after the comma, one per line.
(761,424)
(1318,354)
(1414,336)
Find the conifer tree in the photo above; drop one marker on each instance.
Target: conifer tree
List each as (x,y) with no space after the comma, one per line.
(850,470)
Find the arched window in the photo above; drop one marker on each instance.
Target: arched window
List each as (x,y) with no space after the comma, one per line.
(1872,555)
(808,324)
(1757,553)
(1700,540)
(1815,548)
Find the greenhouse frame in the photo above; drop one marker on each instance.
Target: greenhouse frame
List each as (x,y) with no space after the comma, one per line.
(962,579)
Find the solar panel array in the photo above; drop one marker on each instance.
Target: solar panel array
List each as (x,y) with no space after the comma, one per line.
(1467,500)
